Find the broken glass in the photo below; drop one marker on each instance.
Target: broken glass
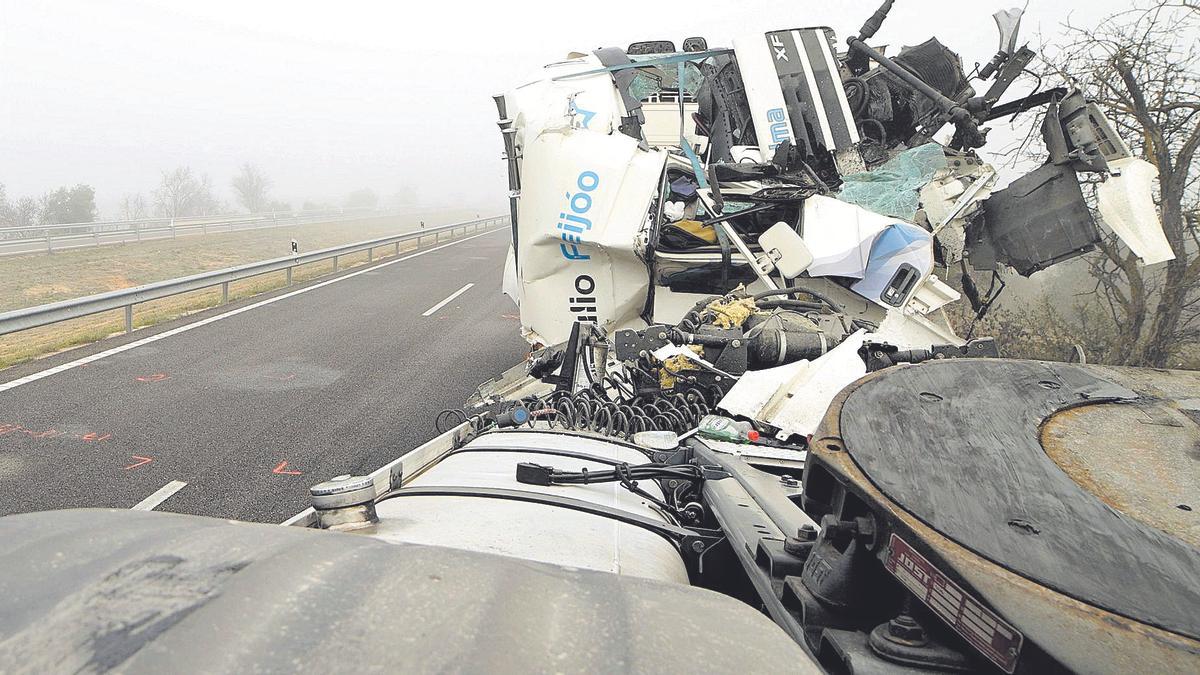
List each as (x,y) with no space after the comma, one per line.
(892,189)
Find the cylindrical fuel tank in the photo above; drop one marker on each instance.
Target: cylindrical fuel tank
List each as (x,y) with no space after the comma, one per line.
(529,530)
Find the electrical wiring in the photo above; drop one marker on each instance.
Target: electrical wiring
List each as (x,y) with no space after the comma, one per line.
(624,474)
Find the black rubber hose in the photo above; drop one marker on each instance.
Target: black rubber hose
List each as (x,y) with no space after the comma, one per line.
(791,304)
(794,290)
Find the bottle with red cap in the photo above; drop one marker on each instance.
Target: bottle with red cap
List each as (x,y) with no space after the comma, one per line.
(721,428)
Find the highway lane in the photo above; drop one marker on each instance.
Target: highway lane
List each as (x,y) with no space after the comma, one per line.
(251,409)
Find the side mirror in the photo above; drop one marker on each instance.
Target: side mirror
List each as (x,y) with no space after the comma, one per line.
(786,250)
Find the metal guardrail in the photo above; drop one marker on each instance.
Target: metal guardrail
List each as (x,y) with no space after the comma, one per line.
(22,239)
(44,315)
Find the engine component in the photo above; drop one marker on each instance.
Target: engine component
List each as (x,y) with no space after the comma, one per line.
(784,337)
(878,355)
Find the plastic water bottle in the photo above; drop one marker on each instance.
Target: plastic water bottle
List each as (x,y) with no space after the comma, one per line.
(721,428)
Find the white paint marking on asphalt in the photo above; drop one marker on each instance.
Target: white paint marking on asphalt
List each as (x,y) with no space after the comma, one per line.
(161,495)
(204,322)
(445,302)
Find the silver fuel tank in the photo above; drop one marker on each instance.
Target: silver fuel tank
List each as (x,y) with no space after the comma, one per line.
(530,530)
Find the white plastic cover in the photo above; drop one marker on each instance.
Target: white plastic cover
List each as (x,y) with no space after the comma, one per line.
(849,241)
(585,197)
(840,235)
(1126,203)
(899,245)
(794,397)
(932,295)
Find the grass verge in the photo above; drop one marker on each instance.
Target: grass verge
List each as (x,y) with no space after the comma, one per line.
(38,279)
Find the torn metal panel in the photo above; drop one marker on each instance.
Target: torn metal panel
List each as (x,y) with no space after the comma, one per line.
(1039,220)
(585,199)
(588,101)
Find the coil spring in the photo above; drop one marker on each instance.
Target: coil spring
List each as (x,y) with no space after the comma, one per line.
(592,409)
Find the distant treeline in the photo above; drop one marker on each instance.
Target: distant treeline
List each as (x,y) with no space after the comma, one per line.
(181,193)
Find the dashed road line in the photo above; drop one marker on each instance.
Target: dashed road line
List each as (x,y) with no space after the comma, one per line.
(212,319)
(447,301)
(160,495)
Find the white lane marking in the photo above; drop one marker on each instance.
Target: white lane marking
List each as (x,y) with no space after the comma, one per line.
(445,302)
(204,322)
(160,495)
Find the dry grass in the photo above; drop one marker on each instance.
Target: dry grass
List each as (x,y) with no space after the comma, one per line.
(36,279)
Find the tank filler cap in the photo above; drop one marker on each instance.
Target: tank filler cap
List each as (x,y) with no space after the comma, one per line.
(342,491)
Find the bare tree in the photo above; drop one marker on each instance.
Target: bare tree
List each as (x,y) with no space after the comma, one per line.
(252,188)
(133,207)
(6,209)
(1143,67)
(182,194)
(27,212)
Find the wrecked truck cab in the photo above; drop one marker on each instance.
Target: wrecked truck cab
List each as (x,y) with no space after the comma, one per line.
(744,337)
(620,222)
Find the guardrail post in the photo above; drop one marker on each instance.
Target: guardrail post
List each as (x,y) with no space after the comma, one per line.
(225,293)
(205,227)
(335,261)
(128,318)
(397,248)
(96,237)
(289,276)
(370,255)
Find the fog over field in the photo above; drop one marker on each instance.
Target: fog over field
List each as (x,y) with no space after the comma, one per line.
(327,98)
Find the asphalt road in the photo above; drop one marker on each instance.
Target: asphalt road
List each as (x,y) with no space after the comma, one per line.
(251,409)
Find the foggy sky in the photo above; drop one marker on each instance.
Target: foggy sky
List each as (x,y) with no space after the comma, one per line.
(327,97)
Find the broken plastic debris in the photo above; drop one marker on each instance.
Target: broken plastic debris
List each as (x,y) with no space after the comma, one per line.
(793,398)
(892,189)
(932,295)
(839,236)
(1126,203)
(899,250)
